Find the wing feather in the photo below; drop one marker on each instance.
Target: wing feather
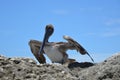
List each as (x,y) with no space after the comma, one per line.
(76,46)
(35,46)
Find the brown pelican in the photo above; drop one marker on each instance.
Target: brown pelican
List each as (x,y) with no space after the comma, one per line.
(56,51)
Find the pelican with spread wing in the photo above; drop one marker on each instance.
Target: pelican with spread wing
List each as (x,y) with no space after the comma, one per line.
(56,51)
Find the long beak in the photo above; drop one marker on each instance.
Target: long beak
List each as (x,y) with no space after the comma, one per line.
(46,36)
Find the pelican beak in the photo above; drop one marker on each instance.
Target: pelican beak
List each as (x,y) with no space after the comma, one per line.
(48,32)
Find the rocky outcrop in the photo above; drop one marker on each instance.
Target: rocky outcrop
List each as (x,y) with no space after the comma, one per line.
(28,69)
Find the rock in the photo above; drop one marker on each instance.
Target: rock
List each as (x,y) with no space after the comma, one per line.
(107,70)
(28,69)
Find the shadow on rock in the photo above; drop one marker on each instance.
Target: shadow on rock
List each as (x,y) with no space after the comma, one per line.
(81,65)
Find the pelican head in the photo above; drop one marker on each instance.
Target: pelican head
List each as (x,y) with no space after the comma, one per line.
(48,32)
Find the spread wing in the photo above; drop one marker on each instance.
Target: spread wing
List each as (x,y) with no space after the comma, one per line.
(75,45)
(35,46)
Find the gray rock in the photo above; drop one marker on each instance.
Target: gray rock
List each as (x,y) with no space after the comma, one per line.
(28,69)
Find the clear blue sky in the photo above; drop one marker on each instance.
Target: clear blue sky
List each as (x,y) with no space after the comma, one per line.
(95,24)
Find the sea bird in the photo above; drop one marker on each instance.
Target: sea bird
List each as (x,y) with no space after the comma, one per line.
(56,51)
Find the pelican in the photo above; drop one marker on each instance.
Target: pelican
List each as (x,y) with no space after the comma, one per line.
(56,51)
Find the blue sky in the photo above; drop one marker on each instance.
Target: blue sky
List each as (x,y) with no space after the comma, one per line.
(95,24)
